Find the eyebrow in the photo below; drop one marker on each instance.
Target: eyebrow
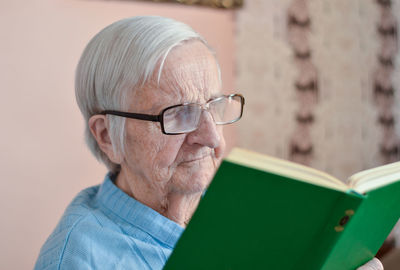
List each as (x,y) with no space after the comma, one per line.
(216,95)
(157,107)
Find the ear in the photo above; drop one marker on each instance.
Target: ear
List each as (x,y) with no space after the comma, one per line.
(99,127)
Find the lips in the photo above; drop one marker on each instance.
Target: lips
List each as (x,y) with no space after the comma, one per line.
(195,159)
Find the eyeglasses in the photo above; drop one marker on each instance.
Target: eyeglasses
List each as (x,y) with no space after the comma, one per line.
(185,118)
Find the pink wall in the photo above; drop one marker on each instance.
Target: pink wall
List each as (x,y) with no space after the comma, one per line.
(44,161)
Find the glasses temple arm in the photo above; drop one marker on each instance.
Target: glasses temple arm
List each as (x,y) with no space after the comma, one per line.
(140,116)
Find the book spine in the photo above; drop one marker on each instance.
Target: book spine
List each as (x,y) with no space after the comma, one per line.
(338,218)
(367,230)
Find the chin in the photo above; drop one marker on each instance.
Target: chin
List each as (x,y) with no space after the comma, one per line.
(194,177)
(193,182)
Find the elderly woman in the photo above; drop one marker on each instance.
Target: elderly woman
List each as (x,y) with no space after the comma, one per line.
(149,89)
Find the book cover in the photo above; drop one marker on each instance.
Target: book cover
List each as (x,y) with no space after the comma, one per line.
(254,218)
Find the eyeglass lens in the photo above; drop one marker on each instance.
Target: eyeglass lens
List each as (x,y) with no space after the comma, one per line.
(186,118)
(182,119)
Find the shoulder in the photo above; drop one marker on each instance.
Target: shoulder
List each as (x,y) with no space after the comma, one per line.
(87,238)
(81,213)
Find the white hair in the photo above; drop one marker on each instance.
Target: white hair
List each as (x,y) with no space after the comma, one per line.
(119,59)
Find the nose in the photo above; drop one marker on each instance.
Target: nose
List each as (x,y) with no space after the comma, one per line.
(207,133)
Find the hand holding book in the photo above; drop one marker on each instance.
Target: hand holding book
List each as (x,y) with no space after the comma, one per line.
(373,264)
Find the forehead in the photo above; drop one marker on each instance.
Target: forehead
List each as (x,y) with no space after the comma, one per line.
(190,74)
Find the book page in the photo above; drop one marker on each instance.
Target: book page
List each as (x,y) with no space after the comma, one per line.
(374,178)
(285,168)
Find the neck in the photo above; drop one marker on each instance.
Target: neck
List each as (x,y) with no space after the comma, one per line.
(174,205)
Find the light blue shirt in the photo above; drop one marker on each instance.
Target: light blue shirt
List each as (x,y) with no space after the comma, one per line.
(104,228)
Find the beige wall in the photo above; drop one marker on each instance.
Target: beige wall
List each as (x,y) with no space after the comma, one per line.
(345,136)
(344,42)
(44,161)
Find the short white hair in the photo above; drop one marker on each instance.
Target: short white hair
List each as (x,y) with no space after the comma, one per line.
(119,59)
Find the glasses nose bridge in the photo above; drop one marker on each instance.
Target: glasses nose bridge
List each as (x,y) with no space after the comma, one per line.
(206,108)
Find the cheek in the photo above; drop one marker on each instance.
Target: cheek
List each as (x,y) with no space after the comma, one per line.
(167,150)
(142,146)
(151,154)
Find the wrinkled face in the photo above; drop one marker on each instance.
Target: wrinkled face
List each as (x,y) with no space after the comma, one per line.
(176,163)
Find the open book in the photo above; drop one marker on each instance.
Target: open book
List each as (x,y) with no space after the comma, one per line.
(265,213)
(360,182)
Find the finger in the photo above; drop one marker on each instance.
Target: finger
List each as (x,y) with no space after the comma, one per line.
(373,264)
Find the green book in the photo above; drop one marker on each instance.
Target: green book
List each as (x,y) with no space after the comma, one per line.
(261,212)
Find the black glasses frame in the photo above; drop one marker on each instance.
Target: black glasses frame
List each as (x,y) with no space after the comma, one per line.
(160,117)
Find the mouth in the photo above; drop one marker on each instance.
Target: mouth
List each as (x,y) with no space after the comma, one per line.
(195,159)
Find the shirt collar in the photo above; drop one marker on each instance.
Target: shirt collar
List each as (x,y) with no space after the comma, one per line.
(138,214)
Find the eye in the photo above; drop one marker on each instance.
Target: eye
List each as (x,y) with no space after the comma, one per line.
(226,109)
(183,114)
(217,109)
(182,119)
